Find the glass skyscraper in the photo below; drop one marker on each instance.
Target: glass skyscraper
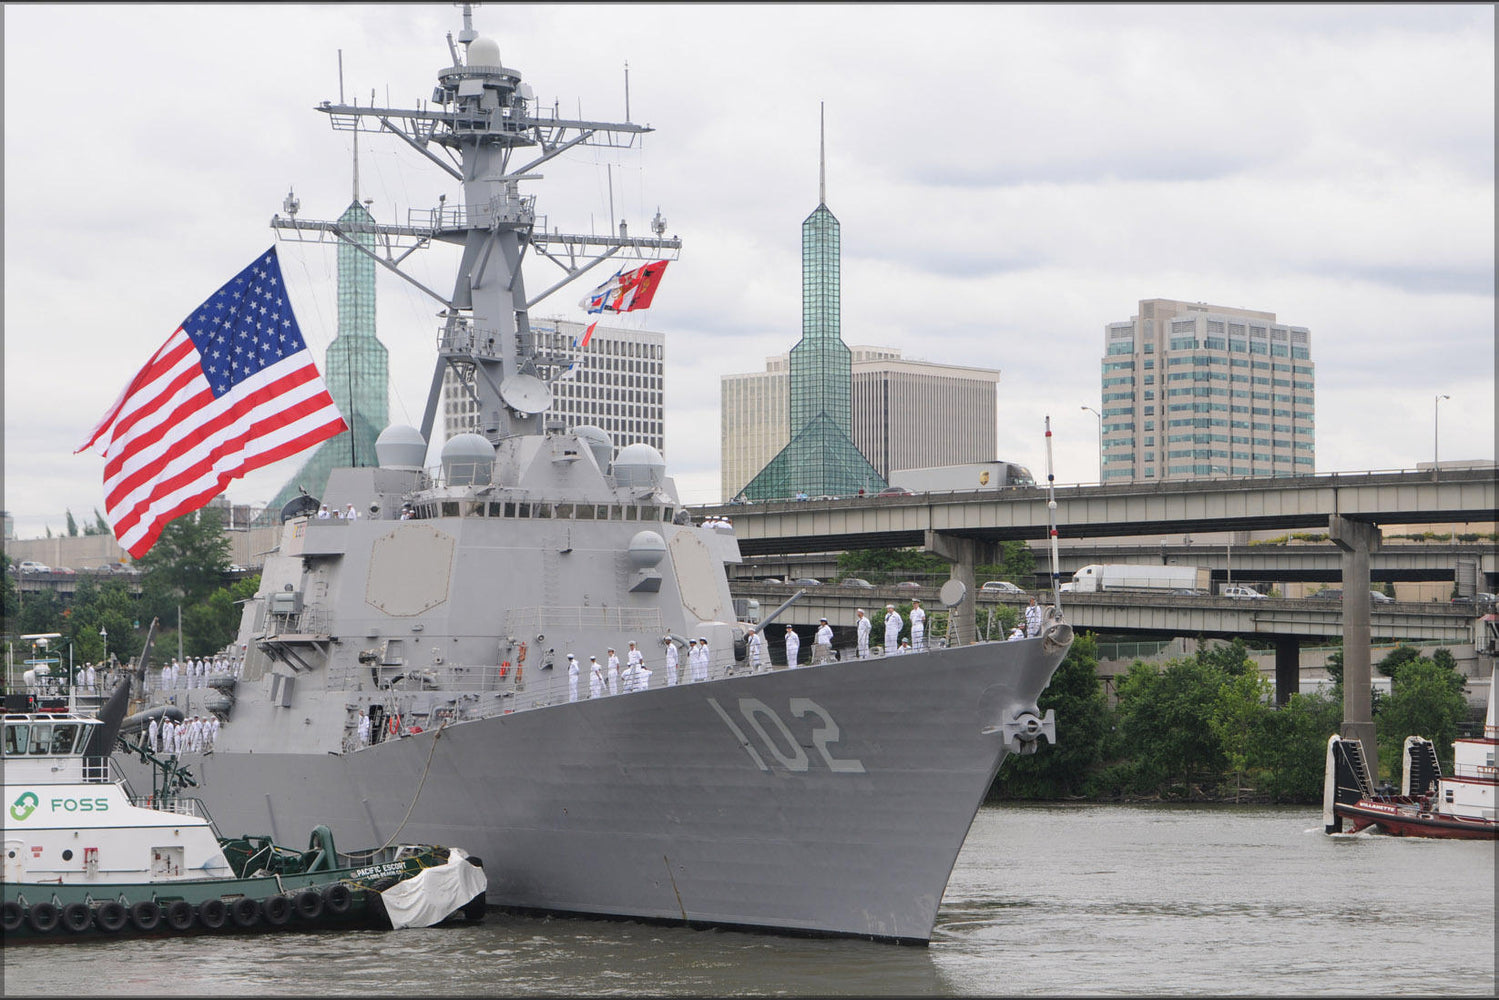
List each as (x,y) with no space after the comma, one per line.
(356,367)
(820,459)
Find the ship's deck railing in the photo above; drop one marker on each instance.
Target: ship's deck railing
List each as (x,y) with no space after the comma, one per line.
(175,804)
(1482,772)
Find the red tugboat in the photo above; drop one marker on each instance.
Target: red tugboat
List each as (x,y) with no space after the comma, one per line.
(1457,807)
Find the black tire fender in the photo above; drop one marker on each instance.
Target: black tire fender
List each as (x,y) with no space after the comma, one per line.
(245,912)
(14,916)
(180,914)
(110,917)
(213,914)
(309,904)
(42,917)
(145,915)
(276,910)
(77,917)
(337,899)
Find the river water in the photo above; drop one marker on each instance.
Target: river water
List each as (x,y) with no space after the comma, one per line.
(1044,900)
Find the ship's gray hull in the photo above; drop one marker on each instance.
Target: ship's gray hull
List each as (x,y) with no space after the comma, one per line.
(831,799)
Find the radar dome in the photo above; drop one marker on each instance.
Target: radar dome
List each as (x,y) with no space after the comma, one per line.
(467,460)
(647,548)
(599,442)
(483,52)
(401,447)
(639,465)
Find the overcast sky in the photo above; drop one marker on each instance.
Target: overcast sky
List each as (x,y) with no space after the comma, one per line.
(1009,179)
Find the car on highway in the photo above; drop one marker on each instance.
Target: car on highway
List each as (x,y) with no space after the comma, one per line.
(1184,592)
(1378,597)
(1479,599)
(32,566)
(807,581)
(908,585)
(1326,595)
(1000,587)
(1242,593)
(894,491)
(854,581)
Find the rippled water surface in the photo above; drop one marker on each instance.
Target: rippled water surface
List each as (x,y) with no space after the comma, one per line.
(1044,900)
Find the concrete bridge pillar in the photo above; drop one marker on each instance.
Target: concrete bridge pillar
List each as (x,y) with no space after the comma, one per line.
(1287,668)
(1358,540)
(964,554)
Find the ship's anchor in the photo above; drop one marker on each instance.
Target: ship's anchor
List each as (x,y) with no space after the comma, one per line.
(1023,733)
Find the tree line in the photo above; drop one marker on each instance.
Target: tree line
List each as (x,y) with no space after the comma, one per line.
(1205,728)
(186,569)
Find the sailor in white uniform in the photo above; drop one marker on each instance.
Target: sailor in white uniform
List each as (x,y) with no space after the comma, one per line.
(613,672)
(822,642)
(753,641)
(1018,632)
(595,678)
(1033,615)
(153,736)
(364,728)
(918,626)
(793,646)
(636,658)
(864,626)
(572,677)
(671,662)
(701,672)
(893,622)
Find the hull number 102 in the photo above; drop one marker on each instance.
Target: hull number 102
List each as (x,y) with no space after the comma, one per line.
(775,736)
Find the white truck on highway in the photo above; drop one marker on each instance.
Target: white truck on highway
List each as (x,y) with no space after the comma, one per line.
(970,476)
(1099,577)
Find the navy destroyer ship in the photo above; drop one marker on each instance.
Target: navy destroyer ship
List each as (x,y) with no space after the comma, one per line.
(421,672)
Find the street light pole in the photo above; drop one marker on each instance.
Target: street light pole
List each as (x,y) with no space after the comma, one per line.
(1100,440)
(1436,415)
(103,634)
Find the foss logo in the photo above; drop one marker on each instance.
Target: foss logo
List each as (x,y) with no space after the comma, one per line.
(80,805)
(24,805)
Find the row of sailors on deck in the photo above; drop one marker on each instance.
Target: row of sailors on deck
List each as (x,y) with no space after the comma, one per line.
(195,672)
(347,514)
(193,735)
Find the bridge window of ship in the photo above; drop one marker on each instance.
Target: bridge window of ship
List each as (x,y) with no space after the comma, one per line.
(16,738)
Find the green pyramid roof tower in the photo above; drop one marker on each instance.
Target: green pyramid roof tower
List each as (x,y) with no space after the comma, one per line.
(820,459)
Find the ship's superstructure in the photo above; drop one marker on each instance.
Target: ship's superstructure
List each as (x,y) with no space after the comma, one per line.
(438,668)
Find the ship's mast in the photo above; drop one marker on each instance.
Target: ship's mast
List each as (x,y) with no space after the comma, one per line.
(480,115)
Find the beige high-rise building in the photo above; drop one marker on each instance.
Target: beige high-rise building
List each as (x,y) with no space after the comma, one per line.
(906,414)
(1192,391)
(617,385)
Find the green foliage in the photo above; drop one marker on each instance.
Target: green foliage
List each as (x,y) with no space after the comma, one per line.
(10,599)
(1291,752)
(1232,659)
(99,525)
(1164,727)
(72,524)
(186,564)
(210,625)
(1335,666)
(1017,564)
(1397,658)
(1238,719)
(882,566)
(1426,700)
(1082,717)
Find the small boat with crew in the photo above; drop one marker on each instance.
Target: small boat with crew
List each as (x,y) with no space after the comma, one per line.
(86,856)
(1459,806)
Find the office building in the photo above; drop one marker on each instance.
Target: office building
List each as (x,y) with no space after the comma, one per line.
(905,414)
(616,384)
(1192,391)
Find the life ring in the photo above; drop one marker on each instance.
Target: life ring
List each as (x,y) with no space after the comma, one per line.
(180,914)
(77,917)
(42,917)
(277,910)
(14,916)
(145,915)
(212,913)
(337,899)
(309,904)
(245,912)
(110,917)
(393,725)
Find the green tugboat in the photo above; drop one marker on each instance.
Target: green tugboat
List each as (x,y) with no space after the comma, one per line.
(86,856)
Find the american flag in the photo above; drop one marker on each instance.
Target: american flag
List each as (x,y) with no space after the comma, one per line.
(232,389)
